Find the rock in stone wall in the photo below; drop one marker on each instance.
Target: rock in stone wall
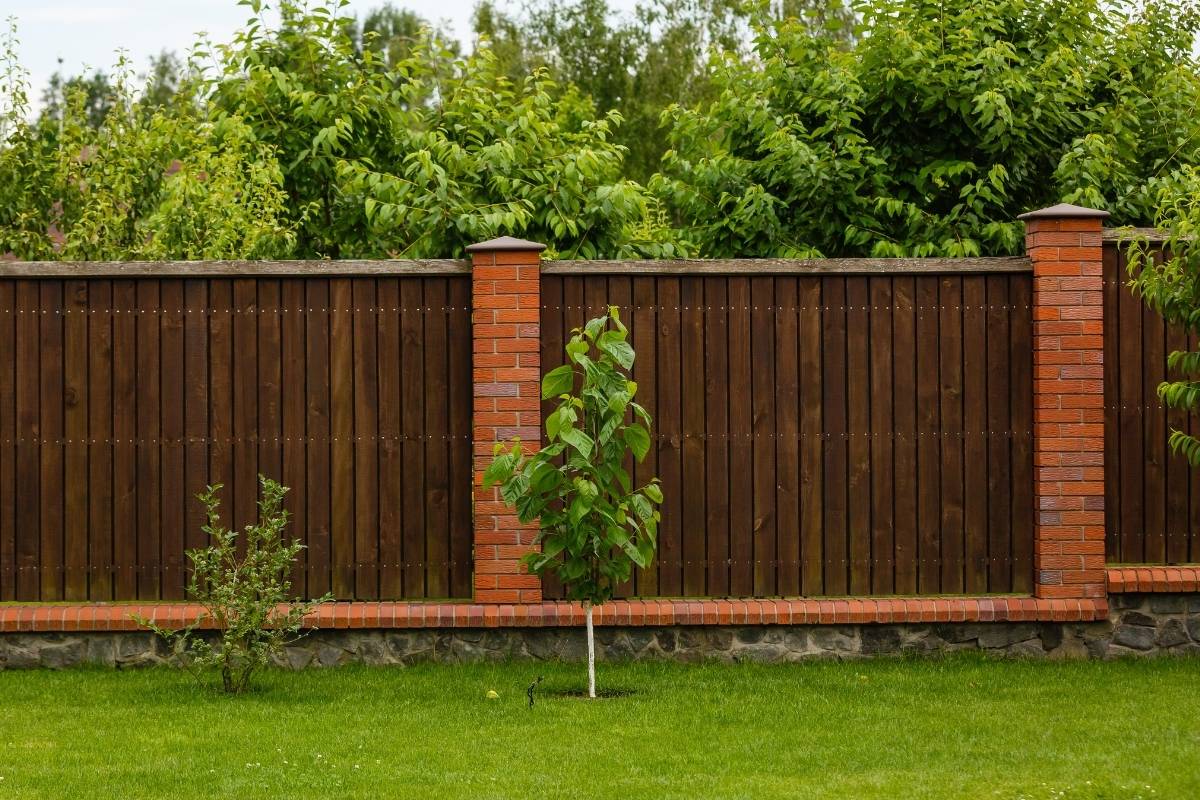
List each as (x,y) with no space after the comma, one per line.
(1140,625)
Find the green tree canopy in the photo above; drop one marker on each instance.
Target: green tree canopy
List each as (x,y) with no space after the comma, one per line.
(940,123)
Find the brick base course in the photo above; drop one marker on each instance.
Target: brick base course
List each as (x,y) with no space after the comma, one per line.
(1140,625)
(66,617)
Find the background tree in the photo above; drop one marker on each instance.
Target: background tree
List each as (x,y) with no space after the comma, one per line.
(934,127)
(593,525)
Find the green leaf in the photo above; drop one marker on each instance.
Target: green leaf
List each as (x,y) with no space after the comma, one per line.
(638,440)
(558,381)
(578,440)
(618,349)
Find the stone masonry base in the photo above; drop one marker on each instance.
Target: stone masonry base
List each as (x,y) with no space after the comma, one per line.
(1138,625)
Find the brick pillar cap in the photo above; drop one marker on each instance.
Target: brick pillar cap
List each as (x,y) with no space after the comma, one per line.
(1065,210)
(505,243)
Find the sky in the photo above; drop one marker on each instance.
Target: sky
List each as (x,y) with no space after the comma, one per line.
(87,34)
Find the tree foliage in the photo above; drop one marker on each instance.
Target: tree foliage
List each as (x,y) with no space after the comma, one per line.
(315,138)
(940,123)
(714,128)
(145,183)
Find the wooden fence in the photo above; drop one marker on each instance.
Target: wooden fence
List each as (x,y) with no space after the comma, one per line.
(125,388)
(821,431)
(1152,498)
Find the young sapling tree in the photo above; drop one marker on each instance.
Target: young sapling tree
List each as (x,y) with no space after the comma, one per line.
(594,526)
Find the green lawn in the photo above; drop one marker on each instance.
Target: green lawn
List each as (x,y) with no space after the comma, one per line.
(961,727)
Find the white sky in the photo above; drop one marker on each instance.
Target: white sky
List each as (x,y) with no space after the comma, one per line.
(87,34)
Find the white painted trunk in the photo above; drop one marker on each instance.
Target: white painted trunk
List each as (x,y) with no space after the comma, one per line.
(591,639)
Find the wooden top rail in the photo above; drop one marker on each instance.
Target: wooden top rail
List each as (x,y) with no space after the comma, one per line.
(398,268)
(1129,234)
(230,269)
(793,266)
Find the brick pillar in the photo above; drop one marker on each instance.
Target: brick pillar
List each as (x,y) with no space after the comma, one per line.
(505,330)
(1064,243)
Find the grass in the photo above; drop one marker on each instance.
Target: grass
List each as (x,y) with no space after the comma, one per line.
(955,728)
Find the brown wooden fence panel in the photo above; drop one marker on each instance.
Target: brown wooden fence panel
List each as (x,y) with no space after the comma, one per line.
(121,397)
(1152,498)
(826,434)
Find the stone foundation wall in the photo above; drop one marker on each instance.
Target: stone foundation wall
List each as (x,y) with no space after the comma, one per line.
(1139,625)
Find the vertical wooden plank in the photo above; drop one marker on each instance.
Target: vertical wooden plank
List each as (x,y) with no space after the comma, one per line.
(1154,487)
(553,339)
(1021,423)
(693,550)
(245,400)
(620,294)
(125,433)
(787,442)
(574,315)
(905,378)
(929,555)
(1130,415)
(950,338)
(858,398)
(8,436)
(391,469)
(716,427)
(883,562)
(437,467)
(670,541)
(834,415)
(458,323)
(741,450)
(270,377)
(149,431)
(292,402)
(366,431)
(342,472)
(1193,481)
(1112,401)
(762,402)
(197,434)
(811,439)
(220,413)
(412,420)
(319,448)
(52,489)
(173,500)
(75,471)
(975,423)
(645,369)
(28,427)
(999,439)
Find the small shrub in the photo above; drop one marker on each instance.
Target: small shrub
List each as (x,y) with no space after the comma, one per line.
(247,595)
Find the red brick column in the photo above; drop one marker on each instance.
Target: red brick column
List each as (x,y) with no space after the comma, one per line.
(1064,243)
(505,307)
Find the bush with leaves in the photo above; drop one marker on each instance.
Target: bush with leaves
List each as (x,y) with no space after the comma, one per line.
(594,526)
(935,127)
(243,581)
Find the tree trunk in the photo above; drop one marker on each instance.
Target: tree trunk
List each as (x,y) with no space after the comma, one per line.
(591,642)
